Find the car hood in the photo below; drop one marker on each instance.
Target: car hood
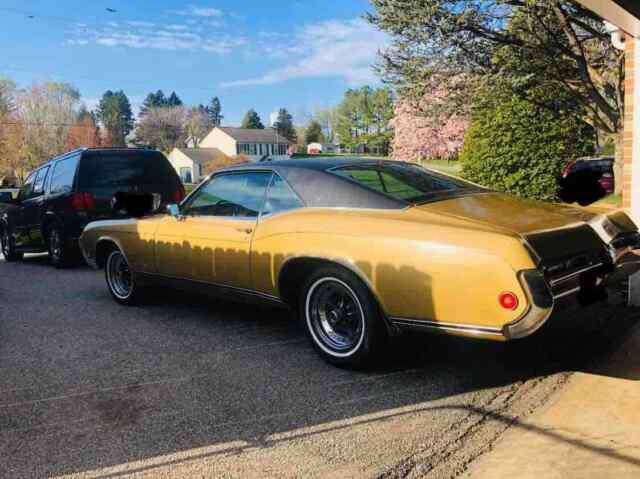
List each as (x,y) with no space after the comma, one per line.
(509,213)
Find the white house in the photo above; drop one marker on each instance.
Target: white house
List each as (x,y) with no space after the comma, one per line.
(252,143)
(191,164)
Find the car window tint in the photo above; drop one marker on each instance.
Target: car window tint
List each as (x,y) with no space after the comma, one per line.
(404,181)
(63,174)
(38,185)
(108,170)
(237,194)
(280,197)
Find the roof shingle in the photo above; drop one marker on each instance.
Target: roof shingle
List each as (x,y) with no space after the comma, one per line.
(248,135)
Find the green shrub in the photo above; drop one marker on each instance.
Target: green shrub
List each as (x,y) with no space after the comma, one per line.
(517,147)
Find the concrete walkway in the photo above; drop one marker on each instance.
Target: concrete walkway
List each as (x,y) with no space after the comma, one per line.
(590,429)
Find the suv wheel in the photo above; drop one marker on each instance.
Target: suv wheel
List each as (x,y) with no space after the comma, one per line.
(342,317)
(58,249)
(121,279)
(8,246)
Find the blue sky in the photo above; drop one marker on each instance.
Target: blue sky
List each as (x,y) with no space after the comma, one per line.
(259,54)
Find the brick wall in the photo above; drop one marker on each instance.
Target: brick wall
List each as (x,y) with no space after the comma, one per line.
(628,119)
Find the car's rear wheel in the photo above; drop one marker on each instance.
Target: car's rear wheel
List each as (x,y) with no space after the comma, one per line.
(59,252)
(8,246)
(121,279)
(342,317)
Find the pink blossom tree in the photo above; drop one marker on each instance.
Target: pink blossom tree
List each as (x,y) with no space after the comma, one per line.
(430,129)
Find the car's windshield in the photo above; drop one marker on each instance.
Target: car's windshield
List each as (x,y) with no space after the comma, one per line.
(405,181)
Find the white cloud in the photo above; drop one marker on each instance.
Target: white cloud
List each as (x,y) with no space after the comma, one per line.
(141,24)
(153,36)
(205,12)
(341,49)
(198,11)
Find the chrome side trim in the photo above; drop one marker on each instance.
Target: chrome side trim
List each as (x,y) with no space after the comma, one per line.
(454,327)
(220,286)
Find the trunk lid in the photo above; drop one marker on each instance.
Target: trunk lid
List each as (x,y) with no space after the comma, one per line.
(504,212)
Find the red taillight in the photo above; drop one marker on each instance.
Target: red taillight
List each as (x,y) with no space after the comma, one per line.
(508,300)
(180,195)
(83,202)
(567,169)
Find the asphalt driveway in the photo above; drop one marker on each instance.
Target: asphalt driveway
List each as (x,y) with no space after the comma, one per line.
(192,387)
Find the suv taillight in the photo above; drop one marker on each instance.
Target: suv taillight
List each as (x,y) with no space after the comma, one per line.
(83,202)
(567,169)
(180,195)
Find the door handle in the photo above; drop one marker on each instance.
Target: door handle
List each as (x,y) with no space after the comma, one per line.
(245,230)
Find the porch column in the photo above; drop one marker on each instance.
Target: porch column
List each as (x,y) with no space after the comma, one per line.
(631,176)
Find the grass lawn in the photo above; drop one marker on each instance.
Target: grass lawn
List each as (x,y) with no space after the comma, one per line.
(611,201)
(453,168)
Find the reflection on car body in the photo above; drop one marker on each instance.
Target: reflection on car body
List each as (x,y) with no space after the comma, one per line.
(365,249)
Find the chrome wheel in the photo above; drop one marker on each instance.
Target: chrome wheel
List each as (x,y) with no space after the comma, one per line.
(119,275)
(335,317)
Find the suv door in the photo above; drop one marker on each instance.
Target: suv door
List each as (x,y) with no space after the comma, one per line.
(32,212)
(211,242)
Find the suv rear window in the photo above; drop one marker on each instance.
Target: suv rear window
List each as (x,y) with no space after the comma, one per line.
(120,169)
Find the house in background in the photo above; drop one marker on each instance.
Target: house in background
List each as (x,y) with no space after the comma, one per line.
(254,144)
(192,164)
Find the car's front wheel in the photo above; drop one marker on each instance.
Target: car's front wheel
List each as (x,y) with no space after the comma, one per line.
(7,244)
(121,279)
(342,317)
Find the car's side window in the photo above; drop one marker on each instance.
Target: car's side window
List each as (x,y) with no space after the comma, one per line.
(63,174)
(232,194)
(38,185)
(280,197)
(27,187)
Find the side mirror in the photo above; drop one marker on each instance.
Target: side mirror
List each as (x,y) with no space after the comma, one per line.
(173,210)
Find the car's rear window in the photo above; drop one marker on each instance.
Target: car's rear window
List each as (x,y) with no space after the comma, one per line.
(405,181)
(106,170)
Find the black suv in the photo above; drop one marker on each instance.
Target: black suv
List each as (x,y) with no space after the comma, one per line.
(61,197)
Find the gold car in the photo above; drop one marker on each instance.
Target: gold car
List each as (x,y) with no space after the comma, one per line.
(366,249)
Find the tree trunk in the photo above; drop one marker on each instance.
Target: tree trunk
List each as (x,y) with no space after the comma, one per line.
(618,165)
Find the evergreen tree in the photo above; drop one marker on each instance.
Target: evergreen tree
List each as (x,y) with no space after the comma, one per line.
(313,133)
(173,100)
(153,100)
(252,121)
(215,112)
(284,125)
(114,111)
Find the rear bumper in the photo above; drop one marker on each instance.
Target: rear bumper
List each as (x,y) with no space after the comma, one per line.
(577,290)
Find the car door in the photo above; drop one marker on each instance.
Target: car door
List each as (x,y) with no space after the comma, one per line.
(19,223)
(33,209)
(216,228)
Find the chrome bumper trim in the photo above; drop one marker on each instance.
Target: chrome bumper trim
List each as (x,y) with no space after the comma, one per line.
(538,312)
(556,281)
(452,327)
